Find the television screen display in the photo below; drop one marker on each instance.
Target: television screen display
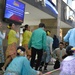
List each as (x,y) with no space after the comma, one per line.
(14,11)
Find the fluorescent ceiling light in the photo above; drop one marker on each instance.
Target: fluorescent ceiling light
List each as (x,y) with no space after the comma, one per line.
(26,13)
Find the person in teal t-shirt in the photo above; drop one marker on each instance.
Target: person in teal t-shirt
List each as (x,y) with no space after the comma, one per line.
(20,65)
(47,54)
(37,44)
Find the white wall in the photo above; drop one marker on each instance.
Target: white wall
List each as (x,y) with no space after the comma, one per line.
(31,22)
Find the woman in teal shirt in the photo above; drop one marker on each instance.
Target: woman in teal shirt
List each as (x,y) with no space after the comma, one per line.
(47,54)
(20,65)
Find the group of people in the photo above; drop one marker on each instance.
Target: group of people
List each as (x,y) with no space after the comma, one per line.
(35,43)
(67,64)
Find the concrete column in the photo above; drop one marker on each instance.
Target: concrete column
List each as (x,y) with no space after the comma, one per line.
(1,9)
(59,19)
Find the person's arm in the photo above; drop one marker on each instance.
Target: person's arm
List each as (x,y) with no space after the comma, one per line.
(2,35)
(28,69)
(29,44)
(51,43)
(17,35)
(51,47)
(54,54)
(44,41)
(30,33)
(66,38)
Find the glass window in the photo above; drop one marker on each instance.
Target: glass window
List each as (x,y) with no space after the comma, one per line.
(54,1)
(65,1)
(70,3)
(73,5)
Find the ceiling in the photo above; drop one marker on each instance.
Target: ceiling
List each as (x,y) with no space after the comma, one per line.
(35,15)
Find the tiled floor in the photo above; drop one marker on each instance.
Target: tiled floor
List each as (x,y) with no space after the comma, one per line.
(50,68)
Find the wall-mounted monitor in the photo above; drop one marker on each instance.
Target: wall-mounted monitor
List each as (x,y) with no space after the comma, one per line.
(14,11)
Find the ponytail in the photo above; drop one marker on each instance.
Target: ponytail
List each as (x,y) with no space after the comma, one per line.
(25,27)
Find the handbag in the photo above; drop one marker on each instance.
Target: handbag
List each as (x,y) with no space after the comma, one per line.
(57,64)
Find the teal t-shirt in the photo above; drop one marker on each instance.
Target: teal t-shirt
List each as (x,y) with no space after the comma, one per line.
(49,41)
(21,66)
(38,39)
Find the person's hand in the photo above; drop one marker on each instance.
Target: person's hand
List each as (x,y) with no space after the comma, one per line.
(4,31)
(17,30)
(40,73)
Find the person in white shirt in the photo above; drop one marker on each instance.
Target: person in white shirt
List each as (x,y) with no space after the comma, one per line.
(2,36)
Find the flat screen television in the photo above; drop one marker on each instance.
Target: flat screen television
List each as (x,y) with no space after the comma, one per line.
(14,11)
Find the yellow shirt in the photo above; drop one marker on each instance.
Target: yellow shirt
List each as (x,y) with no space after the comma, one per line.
(26,37)
(12,37)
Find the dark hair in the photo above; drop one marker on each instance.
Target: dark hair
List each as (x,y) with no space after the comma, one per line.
(21,48)
(25,27)
(61,43)
(63,57)
(41,25)
(9,26)
(54,36)
(69,51)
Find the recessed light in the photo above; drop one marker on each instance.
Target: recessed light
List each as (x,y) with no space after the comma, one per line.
(26,13)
